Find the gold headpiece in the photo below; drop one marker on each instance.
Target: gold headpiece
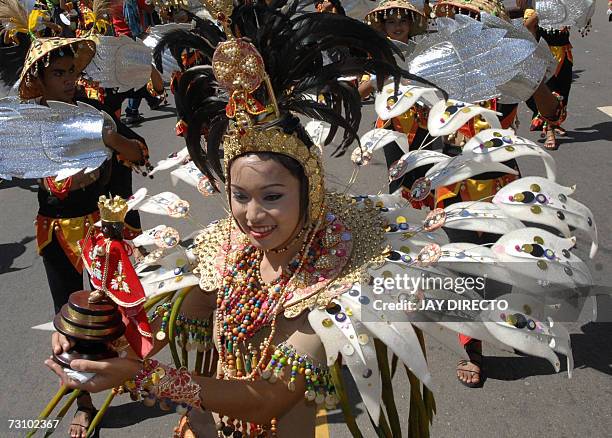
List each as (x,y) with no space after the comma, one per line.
(84,50)
(113,209)
(240,69)
(276,141)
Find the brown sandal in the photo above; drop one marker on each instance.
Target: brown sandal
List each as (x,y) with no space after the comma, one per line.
(551,143)
(91,412)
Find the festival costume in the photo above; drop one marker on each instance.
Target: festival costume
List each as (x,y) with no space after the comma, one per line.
(555,19)
(66,209)
(413,122)
(348,243)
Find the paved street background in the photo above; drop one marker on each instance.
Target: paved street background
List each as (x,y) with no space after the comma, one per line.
(522,396)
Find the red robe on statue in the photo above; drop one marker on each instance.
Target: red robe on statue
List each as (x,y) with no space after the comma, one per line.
(111,271)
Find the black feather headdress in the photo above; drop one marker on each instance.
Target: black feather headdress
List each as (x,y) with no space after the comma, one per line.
(293,46)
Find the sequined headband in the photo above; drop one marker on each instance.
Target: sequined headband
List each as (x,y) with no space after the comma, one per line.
(273,140)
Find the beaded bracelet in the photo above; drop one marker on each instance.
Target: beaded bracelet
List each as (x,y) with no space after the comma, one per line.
(144,166)
(171,387)
(192,334)
(319,386)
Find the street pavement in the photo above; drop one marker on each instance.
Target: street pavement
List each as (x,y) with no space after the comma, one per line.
(523,396)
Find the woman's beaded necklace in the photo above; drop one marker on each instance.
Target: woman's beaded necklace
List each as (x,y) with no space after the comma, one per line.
(245,304)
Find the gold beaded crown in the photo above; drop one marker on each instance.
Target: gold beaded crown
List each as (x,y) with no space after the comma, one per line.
(112,209)
(239,68)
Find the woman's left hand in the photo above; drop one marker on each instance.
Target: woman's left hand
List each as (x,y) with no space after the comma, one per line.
(110,373)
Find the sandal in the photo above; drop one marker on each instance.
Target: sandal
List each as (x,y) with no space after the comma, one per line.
(91,412)
(551,143)
(474,351)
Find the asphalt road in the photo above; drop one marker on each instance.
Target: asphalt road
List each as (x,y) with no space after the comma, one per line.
(523,396)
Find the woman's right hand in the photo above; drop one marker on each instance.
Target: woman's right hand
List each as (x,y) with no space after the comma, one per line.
(110,373)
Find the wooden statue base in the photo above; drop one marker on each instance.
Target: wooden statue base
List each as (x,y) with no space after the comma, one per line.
(90,326)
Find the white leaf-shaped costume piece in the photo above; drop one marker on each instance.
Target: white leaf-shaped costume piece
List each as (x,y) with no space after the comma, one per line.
(541,201)
(318,131)
(120,62)
(481,217)
(557,14)
(147,237)
(374,140)
(167,273)
(446,118)
(362,365)
(502,145)
(388,104)
(538,254)
(477,72)
(460,168)
(173,160)
(413,160)
(188,173)
(38,141)
(165,204)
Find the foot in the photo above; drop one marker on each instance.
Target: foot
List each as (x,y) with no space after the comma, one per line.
(551,143)
(158,102)
(133,119)
(468,373)
(83,417)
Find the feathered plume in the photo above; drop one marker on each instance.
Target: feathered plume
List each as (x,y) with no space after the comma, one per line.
(100,7)
(178,40)
(14,18)
(12,11)
(293,46)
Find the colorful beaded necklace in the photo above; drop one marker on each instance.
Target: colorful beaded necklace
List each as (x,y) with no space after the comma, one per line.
(245,304)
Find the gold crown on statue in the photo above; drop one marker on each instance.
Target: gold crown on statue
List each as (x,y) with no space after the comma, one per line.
(112,209)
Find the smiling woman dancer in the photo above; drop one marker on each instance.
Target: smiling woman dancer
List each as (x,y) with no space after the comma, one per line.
(288,274)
